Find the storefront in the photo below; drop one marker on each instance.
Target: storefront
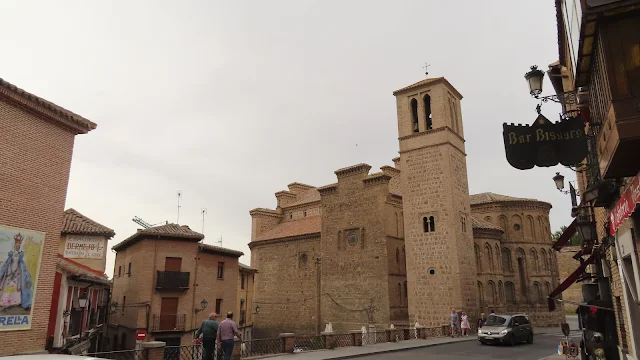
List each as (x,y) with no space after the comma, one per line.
(624,224)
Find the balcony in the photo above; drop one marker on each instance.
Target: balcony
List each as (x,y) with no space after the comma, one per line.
(172,280)
(615,97)
(168,322)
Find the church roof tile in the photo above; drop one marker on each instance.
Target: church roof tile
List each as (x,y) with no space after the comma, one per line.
(489,197)
(304,226)
(168,230)
(481,224)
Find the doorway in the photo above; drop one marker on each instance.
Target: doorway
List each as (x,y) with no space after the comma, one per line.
(168,313)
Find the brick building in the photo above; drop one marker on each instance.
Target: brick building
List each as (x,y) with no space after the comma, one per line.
(244,309)
(37,140)
(568,262)
(75,325)
(397,246)
(599,67)
(161,276)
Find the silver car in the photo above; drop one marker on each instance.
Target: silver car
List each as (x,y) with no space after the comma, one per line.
(506,329)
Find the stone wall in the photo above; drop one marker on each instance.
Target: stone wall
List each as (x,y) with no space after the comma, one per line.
(355,257)
(566,266)
(286,286)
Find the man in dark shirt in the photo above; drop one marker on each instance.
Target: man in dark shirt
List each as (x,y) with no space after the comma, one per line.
(209,331)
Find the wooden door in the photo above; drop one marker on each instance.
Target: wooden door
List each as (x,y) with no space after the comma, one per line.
(172,264)
(168,313)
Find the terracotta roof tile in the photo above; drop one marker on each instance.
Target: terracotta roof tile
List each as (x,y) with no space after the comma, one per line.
(481,224)
(419,83)
(168,230)
(488,197)
(83,271)
(220,250)
(304,226)
(86,124)
(76,223)
(246,267)
(306,197)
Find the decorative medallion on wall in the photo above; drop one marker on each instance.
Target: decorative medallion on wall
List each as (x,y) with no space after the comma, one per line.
(352,238)
(516,227)
(304,258)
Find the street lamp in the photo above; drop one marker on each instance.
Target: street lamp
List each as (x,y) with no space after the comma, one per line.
(203,305)
(586,225)
(82,301)
(559,180)
(534,79)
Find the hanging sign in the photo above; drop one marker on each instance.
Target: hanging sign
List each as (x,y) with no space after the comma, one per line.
(625,206)
(544,143)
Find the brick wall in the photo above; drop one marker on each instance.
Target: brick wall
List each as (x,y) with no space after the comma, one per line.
(34,173)
(147,257)
(527,235)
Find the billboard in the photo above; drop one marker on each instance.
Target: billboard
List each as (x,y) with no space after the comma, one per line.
(20,257)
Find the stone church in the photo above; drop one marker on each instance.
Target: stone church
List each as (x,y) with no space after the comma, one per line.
(404,244)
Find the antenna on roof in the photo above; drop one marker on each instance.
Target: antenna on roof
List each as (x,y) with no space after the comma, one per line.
(219,241)
(203,211)
(143,223)
(426,69)
(179,195)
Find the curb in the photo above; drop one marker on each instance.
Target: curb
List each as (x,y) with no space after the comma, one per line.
(395,350)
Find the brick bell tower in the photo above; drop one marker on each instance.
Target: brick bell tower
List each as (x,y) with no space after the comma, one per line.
(441,270)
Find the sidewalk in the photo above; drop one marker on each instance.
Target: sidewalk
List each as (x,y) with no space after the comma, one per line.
(356,351)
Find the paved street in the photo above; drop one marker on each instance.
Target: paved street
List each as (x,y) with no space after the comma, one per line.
(543,346)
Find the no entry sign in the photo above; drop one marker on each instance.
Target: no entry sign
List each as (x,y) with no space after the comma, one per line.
(140,335)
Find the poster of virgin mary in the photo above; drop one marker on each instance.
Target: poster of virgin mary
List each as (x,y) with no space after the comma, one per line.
(20,256)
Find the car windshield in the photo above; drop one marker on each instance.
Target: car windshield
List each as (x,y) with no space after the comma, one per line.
(496,320)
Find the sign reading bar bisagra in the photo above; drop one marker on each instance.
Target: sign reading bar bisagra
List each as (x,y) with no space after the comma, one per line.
(545,143)
(84,247)
(20,256)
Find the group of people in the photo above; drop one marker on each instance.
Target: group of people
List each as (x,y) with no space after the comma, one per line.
(460,322)
(218,335)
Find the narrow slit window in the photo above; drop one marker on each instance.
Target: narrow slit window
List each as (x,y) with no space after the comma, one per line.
(427,111)
(414,115)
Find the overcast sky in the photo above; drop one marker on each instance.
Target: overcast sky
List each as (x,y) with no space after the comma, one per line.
(230,101)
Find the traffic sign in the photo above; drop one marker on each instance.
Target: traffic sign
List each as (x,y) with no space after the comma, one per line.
(140,335)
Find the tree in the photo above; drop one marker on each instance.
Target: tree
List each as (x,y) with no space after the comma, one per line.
(574,241)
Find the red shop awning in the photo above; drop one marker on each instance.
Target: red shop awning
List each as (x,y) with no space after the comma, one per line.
(625,206)
(569,281)
(566,236)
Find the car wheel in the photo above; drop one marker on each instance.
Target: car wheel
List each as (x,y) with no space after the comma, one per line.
(512,340)
(530,339)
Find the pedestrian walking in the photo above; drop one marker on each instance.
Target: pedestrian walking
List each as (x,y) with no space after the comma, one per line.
(459,322)
(454,322)
(209,331)
(226,333)
(464,324)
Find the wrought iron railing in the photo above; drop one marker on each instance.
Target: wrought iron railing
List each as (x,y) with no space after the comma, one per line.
(168,322)
(381,337)
(261,347)
(121,355)
(189,352)
(343,340)
(172,280)
(306,343)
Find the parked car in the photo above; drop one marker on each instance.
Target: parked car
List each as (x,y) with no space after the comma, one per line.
(506,329)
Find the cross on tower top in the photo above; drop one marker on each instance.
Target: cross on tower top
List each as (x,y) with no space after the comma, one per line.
(426,68)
